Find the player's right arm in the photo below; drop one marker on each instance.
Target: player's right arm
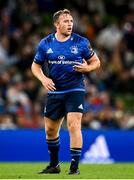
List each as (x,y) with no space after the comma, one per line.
(37,70)
(38,73)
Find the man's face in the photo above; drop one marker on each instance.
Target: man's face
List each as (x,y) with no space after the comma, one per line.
(65,24)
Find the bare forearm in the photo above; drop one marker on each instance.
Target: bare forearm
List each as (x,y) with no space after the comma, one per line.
(37,71)
(46,82)
(94,64)
(89,65)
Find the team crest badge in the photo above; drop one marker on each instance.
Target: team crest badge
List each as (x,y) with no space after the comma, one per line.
(74,49)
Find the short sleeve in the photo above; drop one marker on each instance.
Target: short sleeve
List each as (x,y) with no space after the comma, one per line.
(87,51)
(40,53)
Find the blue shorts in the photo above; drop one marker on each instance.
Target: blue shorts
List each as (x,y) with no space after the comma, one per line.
(58,105)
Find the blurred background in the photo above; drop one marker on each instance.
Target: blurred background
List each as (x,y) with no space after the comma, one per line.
(108,119)
(108,24)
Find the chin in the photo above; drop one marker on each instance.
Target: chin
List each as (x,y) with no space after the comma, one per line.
(68,33)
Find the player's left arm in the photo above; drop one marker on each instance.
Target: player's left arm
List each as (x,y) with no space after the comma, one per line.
(91,61)
(88,65)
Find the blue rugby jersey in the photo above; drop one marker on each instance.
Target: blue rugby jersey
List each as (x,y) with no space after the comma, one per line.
(61,57)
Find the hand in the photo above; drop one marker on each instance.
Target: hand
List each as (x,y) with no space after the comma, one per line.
(48,84)
(81,67)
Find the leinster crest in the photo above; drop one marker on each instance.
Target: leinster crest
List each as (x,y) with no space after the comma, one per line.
(74,49)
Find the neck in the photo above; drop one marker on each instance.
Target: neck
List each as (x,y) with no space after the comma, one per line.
(61,37)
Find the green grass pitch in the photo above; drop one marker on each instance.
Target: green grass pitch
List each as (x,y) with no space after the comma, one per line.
(88,171)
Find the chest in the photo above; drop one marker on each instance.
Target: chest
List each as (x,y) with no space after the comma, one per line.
(63,52)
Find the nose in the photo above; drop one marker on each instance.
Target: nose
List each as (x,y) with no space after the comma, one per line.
(70,24)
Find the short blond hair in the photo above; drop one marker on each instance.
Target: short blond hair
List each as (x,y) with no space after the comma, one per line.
(60,12)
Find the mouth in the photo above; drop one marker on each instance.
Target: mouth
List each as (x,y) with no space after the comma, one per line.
(69,29)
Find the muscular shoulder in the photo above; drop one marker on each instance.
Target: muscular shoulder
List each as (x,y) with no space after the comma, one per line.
(46,40)
(79,39)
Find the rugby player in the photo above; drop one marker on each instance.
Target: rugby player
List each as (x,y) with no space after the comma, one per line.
(68,56)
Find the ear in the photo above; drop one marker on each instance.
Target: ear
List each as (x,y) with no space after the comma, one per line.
(56,24)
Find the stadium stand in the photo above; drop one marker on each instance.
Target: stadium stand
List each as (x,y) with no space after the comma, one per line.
(109,101)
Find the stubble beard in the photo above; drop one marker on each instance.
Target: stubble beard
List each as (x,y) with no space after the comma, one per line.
(66,34)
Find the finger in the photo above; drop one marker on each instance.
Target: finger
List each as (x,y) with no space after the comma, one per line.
(77,63)
(51,87)
(84,61)
(46,88)
(78,70)
(52,83)
(77,66)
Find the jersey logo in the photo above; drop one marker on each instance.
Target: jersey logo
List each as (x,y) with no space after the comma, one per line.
(61,57)
(74,49)
(80,106)
(49,51)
